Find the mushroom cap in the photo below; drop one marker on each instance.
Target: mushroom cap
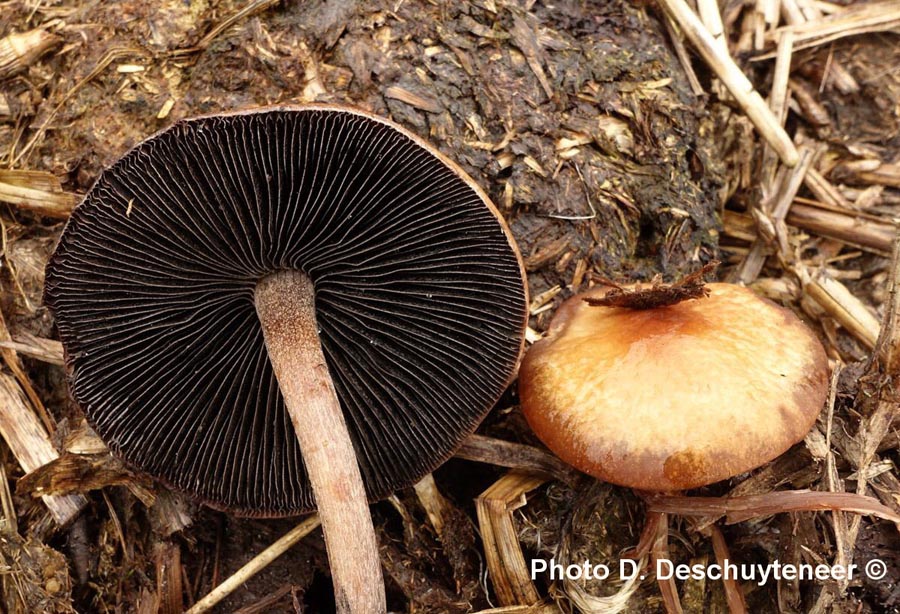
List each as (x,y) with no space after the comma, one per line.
(674,397)
(420,300)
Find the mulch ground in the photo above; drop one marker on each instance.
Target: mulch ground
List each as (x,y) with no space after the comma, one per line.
(613,151)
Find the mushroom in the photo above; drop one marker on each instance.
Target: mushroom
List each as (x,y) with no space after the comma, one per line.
(692,388)
(289,309)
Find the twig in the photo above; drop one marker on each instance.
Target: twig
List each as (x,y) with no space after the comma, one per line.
(660,551)
(739,509)
(861,231)
(778,100)
(683,58)
(735,80)
(493,451)
(844,550)
(773,213)
(859,19)
(257,564)
(733,593)
(246,11)
(834,297)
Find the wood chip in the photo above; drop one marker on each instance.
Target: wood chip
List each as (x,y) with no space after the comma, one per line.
(166,108)
(414,100)
(37,191)
(31,446)
(19,50)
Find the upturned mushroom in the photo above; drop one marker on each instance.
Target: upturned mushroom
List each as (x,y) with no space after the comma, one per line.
(672,388)
(289,309)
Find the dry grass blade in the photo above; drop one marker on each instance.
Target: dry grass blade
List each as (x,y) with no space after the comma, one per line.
(843,545)
(538,608)
(712,19)
(660,552)
(258,563)
(8,521)
(268,602)
(9,531)
(518,456)
(505,561)
(886,360)
(771,219)
(45,350)
(683,58)
(838,302)
(779,96)
(31,446)
(168,578)
(433,501)
(733,593)
(852,21)
(869,172)
(877,397)
(247,10)
(15,365)
(824,190)
(739,509)
(735,80)
(858,230)
(36,191)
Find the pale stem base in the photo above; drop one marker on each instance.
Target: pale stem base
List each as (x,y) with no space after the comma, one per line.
(285,304)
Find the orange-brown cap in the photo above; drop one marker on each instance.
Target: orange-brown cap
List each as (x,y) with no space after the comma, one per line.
(673,397)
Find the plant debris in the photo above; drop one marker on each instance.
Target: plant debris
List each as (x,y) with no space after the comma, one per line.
(690,287)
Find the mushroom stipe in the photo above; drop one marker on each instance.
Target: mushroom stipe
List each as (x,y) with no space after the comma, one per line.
(285,308)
